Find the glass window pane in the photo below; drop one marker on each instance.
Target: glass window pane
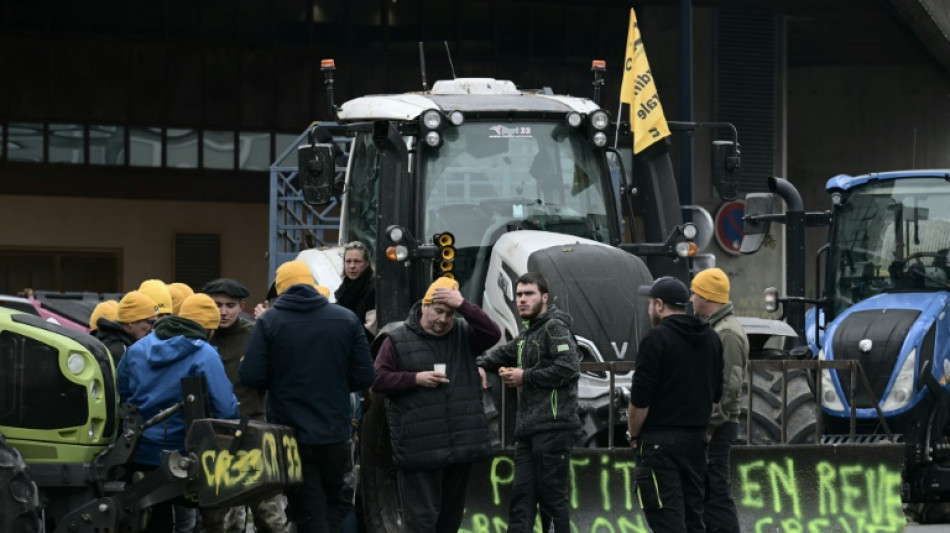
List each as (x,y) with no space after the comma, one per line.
(145,147)
(219,149)
(66,143)
(106,145)
(182,146)
(255,151)
(282,143)
(25,142)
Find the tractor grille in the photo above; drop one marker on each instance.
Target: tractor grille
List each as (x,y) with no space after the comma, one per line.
(886,329)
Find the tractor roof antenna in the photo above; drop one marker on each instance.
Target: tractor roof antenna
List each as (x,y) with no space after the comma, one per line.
(422,66)
(451,65)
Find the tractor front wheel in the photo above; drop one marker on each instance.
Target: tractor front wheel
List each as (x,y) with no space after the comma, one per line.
(19,502)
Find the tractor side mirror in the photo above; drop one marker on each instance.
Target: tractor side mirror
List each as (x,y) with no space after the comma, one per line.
(726,163)
(317,172)
(758,205)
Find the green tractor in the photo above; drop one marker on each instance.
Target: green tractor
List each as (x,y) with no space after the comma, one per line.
(65,442)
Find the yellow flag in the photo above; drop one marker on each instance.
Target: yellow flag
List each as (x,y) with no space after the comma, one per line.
(638,89)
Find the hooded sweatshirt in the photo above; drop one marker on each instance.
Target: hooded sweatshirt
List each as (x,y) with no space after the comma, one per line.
(678,374)
(150,376)
(309,355)
(114,337)
(547,353)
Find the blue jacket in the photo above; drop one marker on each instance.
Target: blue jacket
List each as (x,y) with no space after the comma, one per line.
(150,375)
(309,354)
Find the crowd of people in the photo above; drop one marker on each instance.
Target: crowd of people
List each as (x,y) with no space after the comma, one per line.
(303,361)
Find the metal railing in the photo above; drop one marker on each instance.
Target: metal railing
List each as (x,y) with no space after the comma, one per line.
(784,366)
(816,366)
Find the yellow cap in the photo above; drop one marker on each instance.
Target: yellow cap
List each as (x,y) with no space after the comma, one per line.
(108,310)
(158,292)
(202,309)
(324,291)
(292,273)
(443,282)
(712,284)
(135,306)
(179,292)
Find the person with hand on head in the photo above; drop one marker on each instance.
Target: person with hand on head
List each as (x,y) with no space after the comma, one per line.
(678,378)
(436,419)
(309,355)
(544,362)
(710,301)
(149,377)
(135,316)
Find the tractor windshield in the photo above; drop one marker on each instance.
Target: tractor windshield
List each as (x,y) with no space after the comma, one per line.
(889,236)
(490,177)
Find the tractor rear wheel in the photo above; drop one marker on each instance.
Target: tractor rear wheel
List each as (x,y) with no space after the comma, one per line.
(767,408)
(19,503)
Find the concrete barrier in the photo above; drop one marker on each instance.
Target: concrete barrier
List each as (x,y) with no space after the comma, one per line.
(787,489)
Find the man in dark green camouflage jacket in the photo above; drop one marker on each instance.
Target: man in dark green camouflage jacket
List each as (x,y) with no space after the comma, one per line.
(544,362)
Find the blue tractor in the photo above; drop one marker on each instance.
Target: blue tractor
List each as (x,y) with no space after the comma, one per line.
(885,305)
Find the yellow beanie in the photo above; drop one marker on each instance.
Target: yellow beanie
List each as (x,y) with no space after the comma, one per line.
(202,309)
(108,310)
(443,282)
(159,293)
(322,290)
(135,306)
(292,273)
(179,292)
(712,284)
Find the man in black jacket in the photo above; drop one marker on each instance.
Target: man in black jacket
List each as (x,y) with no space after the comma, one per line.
(545,364)
(436,420)
(310,355)
(231,340)
(678,378)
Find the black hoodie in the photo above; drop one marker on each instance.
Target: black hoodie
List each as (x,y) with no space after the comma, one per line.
(678,374)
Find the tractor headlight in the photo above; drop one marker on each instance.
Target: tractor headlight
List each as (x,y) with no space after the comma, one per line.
(94,390)
(433,138)
(829,397)
(903,388)
(689,231)
(432,119)
(600,139)
(397,253)
(92,430)
(456,118)
(574,119)
(683,249)
(76,363)
(599,120)
(396,233)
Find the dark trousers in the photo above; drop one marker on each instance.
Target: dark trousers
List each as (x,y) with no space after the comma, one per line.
(720,513)
(322,501)
(670,478)
(542,479)
(433,500)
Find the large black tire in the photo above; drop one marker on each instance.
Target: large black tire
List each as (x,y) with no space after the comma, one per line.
(767,408)
(378,489)
(19,503)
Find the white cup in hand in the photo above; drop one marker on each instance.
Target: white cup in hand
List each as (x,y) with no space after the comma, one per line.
(439,367)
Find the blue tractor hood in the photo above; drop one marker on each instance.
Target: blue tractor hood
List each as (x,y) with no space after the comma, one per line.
(892,335)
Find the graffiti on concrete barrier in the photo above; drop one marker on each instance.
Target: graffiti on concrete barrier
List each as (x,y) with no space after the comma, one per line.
(805,489)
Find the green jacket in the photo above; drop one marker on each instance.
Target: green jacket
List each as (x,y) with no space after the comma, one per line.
(735,362)
(548,354)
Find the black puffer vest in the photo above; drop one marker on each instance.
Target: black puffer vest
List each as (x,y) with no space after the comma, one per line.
(435,427)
